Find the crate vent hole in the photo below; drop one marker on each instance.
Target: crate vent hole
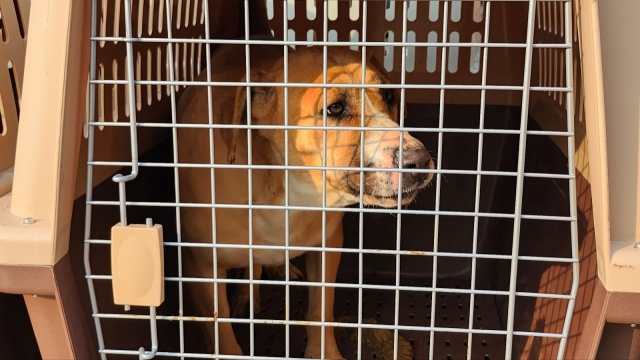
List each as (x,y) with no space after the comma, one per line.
(14,87)
(479,318)
(462,317)
(378,314)
(353,36)
(3,32)
(484,343)
(448,343)
(291,36)
(449,357)
(410,316)
(465,343)
(388,51)
(2,126)
(445,317)
(486,357)
(444,306)
(460,306)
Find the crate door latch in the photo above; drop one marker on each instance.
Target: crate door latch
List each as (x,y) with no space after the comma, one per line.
(138,271)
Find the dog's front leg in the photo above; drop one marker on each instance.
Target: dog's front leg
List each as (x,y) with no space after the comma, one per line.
(203,301)
(227,339)
(240,299)
(314,273)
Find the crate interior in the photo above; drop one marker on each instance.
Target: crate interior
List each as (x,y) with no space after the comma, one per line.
(461,110)
(545,197)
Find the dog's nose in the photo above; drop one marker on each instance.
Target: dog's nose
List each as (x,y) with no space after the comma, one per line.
(418,158)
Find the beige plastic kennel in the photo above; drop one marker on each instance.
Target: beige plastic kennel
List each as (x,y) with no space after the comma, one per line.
(61,268)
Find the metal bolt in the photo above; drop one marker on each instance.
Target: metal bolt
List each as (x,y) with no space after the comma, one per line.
(633,325)
(34,295)
(29,221)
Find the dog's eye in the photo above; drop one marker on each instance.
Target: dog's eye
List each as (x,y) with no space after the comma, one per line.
(389,95)
(335,109)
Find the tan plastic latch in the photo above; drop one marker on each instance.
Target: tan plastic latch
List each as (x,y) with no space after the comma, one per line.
(137,264)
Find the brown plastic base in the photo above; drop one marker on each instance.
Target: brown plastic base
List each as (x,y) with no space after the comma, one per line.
(608,333)
(51,297)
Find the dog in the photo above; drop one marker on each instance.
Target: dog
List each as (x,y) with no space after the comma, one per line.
(305,147)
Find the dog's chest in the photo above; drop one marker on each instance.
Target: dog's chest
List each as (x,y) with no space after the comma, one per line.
(304,228)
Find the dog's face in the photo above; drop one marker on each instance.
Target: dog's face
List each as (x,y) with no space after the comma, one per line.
(348,149)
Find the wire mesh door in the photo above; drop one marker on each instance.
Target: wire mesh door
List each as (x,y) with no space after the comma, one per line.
(448,268)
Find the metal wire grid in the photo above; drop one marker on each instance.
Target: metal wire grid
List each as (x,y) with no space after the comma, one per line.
(520,175)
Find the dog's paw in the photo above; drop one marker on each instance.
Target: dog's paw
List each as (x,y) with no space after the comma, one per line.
(278,272)
(239,303)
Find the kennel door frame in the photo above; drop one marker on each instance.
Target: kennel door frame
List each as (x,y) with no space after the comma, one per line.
(522,132)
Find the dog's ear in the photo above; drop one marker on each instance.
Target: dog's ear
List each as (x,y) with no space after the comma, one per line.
(373,61)
(261,101)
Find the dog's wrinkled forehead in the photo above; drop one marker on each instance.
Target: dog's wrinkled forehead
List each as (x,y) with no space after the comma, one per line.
(306,65)
(351,73)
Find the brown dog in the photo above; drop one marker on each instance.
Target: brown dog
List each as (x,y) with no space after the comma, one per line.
(381,149)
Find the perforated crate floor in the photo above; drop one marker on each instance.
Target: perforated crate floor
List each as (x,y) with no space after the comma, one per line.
(451,311)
